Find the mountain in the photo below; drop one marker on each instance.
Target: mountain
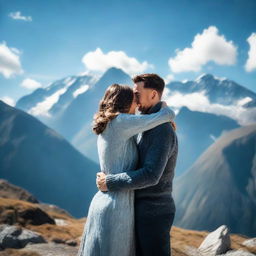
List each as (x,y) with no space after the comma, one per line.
(218,90)
(40,160)
(75,123)
(8,190)
(220,187)
(48,103)
(196,131)
(80,112)
(68,106)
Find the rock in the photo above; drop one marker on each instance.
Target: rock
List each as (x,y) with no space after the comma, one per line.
(216,242)
(21,212)
(191,251)
(36,217)
(250,242)
(71,242)
(8,190)
(52,249)
(60,222)
(237,253)
(17,237)
(58,240)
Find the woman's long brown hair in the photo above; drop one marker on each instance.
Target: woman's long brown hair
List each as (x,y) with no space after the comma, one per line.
(117,99)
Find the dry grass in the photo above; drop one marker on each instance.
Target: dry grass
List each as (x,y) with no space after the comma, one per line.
(180,238)
(16,204)
(16,252)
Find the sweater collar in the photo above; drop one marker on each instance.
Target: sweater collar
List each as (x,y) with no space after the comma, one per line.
(155,108)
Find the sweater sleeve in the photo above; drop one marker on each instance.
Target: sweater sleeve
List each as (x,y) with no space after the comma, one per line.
(128,125)
(155,161)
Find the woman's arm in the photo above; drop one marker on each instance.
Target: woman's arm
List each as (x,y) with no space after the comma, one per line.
(129,125)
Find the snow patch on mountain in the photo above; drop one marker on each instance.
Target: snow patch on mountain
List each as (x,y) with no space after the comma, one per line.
(43,107)
(82,89)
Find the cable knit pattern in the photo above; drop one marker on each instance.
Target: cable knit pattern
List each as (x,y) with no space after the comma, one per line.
(109,229)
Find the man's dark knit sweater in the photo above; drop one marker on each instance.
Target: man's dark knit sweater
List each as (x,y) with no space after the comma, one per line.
(152,182)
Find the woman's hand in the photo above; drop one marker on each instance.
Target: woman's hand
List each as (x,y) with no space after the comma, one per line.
(101,182)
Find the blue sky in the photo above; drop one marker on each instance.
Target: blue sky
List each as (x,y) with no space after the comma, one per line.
(51,43)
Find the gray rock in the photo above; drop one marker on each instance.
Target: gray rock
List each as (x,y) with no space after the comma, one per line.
(216,242)
(52,249)
(71,242)
(17,237)
(237,253)
(250,242)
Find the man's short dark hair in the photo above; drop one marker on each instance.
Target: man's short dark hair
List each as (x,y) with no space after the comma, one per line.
(152,81)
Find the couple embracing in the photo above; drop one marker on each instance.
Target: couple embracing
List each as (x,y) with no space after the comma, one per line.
(133,211)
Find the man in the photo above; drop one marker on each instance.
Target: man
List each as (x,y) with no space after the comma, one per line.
(152,182)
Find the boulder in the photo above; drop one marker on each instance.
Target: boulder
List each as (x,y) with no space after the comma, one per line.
(21,212)
(250,242)
(216,242)
(237,253)
(17,237)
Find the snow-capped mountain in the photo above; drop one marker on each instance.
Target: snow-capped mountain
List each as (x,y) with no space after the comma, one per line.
(78,116)
(218,90)
(68,106)
(51,101)
(220,187)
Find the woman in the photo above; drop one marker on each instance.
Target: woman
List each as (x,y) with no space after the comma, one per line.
(109,229)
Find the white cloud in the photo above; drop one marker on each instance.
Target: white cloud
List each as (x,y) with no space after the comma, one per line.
(198,101)
(99,61)
(251,61)
(30,84)
(18,16)
(169,78)
(8,100)
(208,46)
(9,61)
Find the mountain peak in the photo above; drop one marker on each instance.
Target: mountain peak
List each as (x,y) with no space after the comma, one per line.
(208,77)
(204,77)
(114,70)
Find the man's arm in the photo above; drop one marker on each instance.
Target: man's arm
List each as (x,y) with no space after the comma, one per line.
(162,142)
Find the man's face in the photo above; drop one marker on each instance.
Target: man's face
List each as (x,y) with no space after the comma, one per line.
(143,96)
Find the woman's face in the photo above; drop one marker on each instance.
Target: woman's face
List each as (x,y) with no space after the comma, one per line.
(133,106)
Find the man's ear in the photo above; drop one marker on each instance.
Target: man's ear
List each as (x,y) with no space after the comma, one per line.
(154,94)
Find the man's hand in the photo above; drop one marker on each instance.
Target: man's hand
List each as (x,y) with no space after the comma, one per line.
(174,125)
(101,181)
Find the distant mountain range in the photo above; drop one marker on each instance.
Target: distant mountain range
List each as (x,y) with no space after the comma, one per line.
(40,160)
(218,90)
(68,106)
(220,187)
